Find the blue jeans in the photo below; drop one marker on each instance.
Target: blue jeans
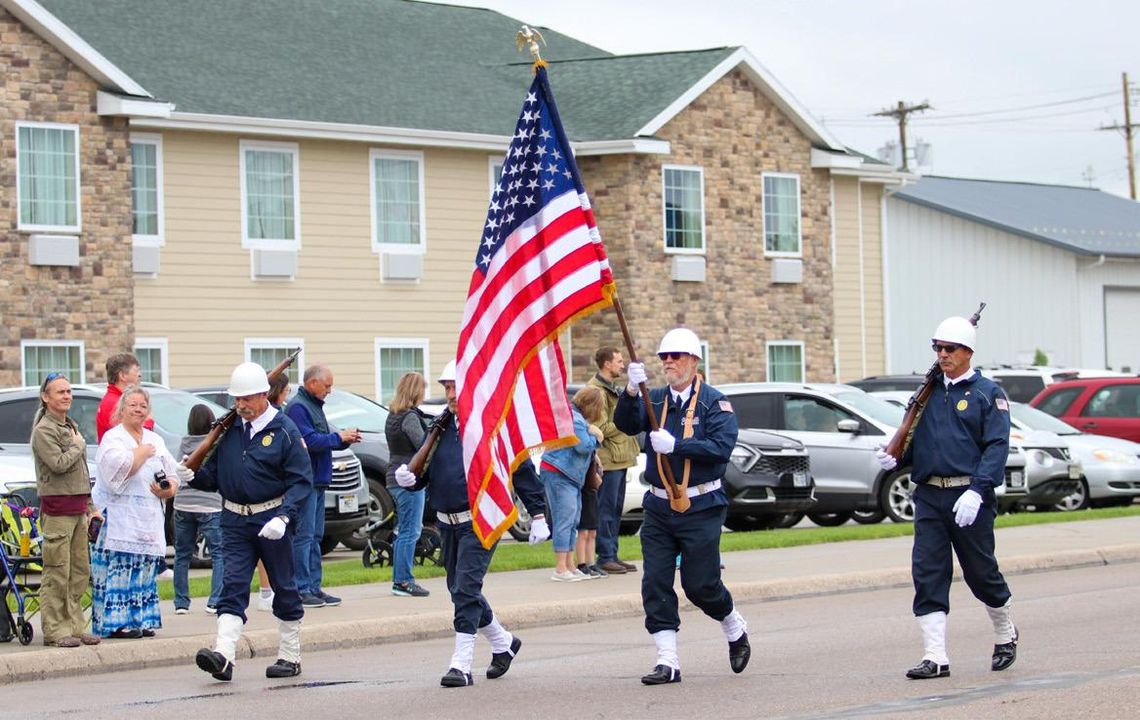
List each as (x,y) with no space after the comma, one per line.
(187,525)
(409,525)
(611,498)
(564,506)
(307,543)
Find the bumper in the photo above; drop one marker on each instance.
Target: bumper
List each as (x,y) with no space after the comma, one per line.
(763,494)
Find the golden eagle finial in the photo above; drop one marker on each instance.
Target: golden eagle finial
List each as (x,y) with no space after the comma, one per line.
(530,37)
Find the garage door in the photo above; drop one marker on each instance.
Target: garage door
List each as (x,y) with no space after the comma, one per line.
(1122,342)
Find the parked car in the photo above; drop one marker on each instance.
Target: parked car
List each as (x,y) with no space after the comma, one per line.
(1101,406)
(899,383)
(1110,467)
(357,490)
(1022,383)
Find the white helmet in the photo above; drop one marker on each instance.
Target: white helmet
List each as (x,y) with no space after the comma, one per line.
(249,378)
(680,340)
(448,374)
(956,330)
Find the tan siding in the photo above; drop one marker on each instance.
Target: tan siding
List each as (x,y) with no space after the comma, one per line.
(848,281)
(872,195)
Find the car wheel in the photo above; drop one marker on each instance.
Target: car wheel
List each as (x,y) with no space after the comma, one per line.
(1079,500)
(328,543)
(791,520)
(896,497)
(629,527)
(868,517)
(521,529)
(829,519)
(201,556)
(748,523)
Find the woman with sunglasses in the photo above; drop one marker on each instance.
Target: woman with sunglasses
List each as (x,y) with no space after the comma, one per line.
(65,510)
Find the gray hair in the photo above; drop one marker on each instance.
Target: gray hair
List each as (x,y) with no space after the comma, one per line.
(117,415)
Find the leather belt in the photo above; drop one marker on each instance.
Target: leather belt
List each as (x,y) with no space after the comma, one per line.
(454,518)
(702,489)
(253,508)
(948,482)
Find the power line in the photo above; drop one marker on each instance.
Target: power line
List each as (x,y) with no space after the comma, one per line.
(1030,107)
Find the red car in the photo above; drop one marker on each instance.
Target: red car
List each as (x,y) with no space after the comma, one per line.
(1102,406)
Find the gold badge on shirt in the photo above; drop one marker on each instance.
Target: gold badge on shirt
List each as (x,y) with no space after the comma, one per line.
(267,440)
(962,405)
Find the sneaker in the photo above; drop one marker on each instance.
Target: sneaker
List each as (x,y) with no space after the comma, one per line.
(166,574)
(566,576)
(582,575)
(211,610)
(596,571)
(265,602)
(312,601)
(181,611)
(409,589)
(330,600)
(584,569)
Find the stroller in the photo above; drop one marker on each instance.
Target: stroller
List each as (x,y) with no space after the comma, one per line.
(21,558)
(380,536)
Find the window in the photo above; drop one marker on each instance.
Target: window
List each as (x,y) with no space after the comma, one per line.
(1114,401)
(703,365)
(397,201)
(1058,402)
(495,168)
(394,357)
(48,176)
(151,353)
(269,352)
(684,209)
(271,214)
(781,214)
(808,414)
(785,362)
(47,356)
(756,410)
(146,189)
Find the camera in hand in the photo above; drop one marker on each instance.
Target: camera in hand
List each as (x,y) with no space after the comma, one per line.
(160,478)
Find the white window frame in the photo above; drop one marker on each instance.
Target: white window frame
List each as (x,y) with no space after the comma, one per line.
(664,213)
(160,239)
(294,150)
(799,214)
(419,248)
(705,361)
(398,343)
(70,229)
(160,344)
(492,162)
(277,343)
(784,343)
(56,343)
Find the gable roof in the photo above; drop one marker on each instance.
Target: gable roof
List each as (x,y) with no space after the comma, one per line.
(1083,220)
(403,70)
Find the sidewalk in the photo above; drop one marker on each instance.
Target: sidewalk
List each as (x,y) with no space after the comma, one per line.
(371,614)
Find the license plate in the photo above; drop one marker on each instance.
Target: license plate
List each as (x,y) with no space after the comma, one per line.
(1016,479)
(799,479)
(1074,472)
(347,503)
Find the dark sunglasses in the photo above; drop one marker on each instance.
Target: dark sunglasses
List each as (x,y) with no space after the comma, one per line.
(948,348)
(672,355)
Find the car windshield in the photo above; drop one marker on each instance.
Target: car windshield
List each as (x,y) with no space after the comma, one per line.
(1034,419)
(171,409)
(349,410)
(876,408)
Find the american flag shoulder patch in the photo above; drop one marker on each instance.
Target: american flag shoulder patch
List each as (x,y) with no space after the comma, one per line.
(725,405)
(1001,404)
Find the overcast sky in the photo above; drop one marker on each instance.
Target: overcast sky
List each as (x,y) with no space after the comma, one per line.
(1040,60)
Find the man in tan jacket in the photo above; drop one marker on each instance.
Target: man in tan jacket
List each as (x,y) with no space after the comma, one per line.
(618,452)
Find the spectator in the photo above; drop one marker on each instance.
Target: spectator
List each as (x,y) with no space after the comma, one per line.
(588,521)
(136,475)
(65,510)
(196,511)
(122,371)
(405,430)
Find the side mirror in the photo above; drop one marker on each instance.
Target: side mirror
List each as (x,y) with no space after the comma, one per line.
(849,426)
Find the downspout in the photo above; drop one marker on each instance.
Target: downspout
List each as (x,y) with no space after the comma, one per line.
(1095,264)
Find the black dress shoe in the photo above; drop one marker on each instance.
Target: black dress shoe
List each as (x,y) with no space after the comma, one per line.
(662,675)
(501,662)
(738,653)
(215,663)
(283,669)
(127,634)
(928,669)
(147,632)
(455,677)
(1004,654)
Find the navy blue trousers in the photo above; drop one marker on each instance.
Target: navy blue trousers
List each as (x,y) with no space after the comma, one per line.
(242,548)
(935,533)
(696,536)
(611,498)
(466,562)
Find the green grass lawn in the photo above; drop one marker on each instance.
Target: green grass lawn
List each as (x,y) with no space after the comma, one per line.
(520,556)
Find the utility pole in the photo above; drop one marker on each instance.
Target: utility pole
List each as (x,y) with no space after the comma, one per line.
(900,113)
(1127,127)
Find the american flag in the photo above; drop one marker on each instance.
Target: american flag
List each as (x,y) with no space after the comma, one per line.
(540,266)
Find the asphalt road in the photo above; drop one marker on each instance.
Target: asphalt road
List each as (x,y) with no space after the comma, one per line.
(837,656)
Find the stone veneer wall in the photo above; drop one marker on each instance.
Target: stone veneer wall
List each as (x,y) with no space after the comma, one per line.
(734,133)
(93,302)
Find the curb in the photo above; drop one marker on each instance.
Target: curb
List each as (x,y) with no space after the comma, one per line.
(112,657)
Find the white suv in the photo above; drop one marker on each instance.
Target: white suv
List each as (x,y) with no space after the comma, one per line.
(1021,383)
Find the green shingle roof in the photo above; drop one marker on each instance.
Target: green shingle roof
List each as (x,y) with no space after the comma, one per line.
(382,63)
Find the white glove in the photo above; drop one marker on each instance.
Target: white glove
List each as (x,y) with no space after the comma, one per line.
(886,462)
(662,441)
(539,530)
(966,508)
(636,372)
(405,478)
(184,474)
(274,529)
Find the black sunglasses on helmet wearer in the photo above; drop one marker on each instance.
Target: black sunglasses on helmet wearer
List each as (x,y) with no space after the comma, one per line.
(672,355)
(948,348)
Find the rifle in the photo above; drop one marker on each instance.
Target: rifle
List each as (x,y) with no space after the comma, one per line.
(196,458)
(422,458)
(917,403)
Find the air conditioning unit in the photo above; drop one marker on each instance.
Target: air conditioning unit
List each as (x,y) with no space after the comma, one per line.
(145,259)
(689,268)
(397,267)
(57,250)
(787,270)
(274,264)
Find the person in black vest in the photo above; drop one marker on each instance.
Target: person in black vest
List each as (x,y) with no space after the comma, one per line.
(405,430)
(697,434)
(464,557)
